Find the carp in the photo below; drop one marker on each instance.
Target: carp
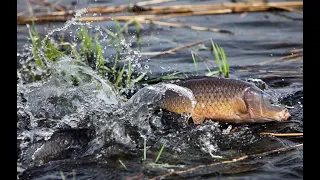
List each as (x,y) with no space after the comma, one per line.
(225,100)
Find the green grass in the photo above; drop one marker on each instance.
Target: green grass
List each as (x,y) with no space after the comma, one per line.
(145,149)
(122,164)
(159,153)
(195,62)
(138,34)
(154,163)
(88,51)
(64,178)
(62,175)
(171,76)
(221,59)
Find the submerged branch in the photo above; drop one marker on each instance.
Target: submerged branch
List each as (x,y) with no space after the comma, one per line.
(171,11)
(227,162)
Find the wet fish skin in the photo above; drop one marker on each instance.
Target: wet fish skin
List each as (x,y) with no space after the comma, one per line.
(226,100)
(62,141)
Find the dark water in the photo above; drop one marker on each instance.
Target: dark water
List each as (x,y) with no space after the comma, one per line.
(82,136)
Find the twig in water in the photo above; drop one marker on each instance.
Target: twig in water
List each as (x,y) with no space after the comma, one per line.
(281,58)
(226,162)
(144,3)
(282,134)
(296,50)
(170,51)
(169,11)
(46,3)
(293,60)
(62,18)
(289,9)
(135,177)
(197,28)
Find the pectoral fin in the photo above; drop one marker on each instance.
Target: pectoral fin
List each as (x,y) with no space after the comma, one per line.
(240,106)
(197,119)
(243,112)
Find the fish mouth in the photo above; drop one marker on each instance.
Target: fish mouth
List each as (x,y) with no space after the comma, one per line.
(279,116)
(284,115)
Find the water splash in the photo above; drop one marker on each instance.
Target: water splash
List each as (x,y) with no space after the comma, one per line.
(137,110)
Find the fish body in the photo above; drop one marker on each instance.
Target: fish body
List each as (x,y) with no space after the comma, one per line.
(224,99)
(61,142)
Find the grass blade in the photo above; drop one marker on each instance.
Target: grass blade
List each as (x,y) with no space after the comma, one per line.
(167,77)
(119,78)
(62,175)
(99,54)
(119,30)
(110,33)
(88,46)
(138,34)
(207,67)
(75,53)
(73,174)
(123,164)
(139,78)
(130,71)
(115,62)
(211,73)
(185,74)
(216,55)
(38,60)
(225,63)
(195,62)
(51,52)
(145,149)
(160,152)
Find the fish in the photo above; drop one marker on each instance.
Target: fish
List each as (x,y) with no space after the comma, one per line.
(225,100)
(63,143)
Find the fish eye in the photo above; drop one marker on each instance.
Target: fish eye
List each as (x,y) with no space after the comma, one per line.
(269,99)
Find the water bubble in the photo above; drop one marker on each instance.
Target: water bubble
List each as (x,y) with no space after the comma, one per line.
(227,131)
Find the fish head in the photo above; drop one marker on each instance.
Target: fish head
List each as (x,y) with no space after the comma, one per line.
(262,107)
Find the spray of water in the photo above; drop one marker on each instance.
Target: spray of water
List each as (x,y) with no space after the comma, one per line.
(55,103)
